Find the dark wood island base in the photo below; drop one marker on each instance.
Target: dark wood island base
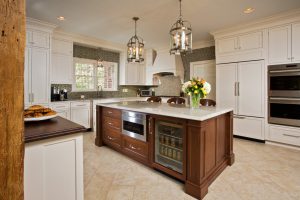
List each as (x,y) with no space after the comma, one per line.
(207,146)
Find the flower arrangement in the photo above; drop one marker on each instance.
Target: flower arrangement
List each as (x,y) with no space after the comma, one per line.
(197,89)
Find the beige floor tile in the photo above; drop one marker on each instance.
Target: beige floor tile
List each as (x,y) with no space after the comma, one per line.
(261,172)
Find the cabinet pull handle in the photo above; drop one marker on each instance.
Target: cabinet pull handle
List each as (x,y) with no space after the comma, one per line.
(109,123)
(149,126)
(32,97)
(294,136)
(109,112)
(81,105)
(110,138)
(134,148)
(238,88)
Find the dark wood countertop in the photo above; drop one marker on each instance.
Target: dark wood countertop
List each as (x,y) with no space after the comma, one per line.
(55,127)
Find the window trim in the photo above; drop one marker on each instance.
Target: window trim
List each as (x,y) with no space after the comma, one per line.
(94,62)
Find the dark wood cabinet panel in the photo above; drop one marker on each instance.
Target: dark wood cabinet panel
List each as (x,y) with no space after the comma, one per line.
(113,123)
(136,148)
(110,112)
(112,137)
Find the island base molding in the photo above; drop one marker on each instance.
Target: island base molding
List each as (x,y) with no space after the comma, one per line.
(207,146)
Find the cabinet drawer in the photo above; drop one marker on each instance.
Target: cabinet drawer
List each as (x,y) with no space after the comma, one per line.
(80,104)
(285,135)
(60,106)
(113,123)
(250,127)
(112,137)
(110,112)
(135,147)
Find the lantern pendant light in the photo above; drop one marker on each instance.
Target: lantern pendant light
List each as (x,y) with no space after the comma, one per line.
(180,36)
(135,47)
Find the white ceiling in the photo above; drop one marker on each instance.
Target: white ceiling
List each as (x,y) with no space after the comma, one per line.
(111,19)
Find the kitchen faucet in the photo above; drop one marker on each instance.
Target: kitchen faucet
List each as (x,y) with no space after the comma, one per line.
(99,91)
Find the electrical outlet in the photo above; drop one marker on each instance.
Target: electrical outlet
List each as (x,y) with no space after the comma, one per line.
(124,90)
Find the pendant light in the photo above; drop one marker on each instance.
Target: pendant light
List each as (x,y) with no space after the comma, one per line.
(180,36)
(135,47)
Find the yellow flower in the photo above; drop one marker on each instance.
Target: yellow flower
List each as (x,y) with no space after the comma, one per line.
(196,92)
(195,86)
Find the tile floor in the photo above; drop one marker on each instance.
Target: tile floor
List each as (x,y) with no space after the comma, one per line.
(261,172)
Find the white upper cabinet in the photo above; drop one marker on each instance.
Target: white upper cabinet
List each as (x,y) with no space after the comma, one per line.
(242,47)
(280,44)
(250,87)
(38,39)
(62,62)
(284,44)
(225,85)
(250,41)
(39,76)
(227,45)
(296,42)
(131,73)
(27,76)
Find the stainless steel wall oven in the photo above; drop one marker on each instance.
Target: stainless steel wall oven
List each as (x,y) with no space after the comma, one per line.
(284,94)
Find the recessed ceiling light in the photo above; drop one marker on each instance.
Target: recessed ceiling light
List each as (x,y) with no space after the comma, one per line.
(249,10)
(61,18)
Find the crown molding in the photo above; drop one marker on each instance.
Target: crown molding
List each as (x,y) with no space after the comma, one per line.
(273,20)
(32,23)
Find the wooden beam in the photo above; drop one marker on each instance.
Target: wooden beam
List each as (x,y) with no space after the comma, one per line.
(12,44)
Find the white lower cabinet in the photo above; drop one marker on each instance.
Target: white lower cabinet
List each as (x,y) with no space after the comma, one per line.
(62,109)
(81,113)
(284,134)
(249,127)
(53,169)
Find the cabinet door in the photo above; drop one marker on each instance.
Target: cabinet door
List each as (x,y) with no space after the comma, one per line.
(28,38)
(61,69)
(280,45)
(39,75)
(81,116)
(296,42)
(227,45)
(132,74)
(251,41)
(62,47)
(40,39)
(226,86)
(251,88)
(250,127)
(53,169)
(27,76)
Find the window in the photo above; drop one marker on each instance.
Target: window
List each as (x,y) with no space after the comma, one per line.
(89,77)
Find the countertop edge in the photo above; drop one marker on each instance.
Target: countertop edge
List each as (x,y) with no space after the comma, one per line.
(189,117)
(53,135)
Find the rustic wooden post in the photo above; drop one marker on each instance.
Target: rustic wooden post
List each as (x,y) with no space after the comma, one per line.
(12,44)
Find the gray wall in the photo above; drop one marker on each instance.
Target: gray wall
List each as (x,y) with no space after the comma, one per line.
(207,53)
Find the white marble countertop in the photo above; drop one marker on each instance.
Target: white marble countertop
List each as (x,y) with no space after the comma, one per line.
(171,110)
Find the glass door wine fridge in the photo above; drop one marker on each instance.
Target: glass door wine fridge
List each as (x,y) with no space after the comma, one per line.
(169,145)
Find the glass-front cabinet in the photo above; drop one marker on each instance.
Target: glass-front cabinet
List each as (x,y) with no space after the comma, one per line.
(169,145)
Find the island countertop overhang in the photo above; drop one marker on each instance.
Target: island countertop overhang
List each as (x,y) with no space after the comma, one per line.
(170,110)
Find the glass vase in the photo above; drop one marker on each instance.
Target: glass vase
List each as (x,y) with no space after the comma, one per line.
(195,101)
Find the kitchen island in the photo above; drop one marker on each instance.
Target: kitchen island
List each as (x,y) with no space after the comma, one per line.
(192,145)
(53,163)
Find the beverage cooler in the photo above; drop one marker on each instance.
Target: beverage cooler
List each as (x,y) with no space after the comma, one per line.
(169,145)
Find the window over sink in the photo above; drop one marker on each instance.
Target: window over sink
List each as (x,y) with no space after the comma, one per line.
(88,76)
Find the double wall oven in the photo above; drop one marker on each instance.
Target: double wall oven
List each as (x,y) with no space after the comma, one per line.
(284,94)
